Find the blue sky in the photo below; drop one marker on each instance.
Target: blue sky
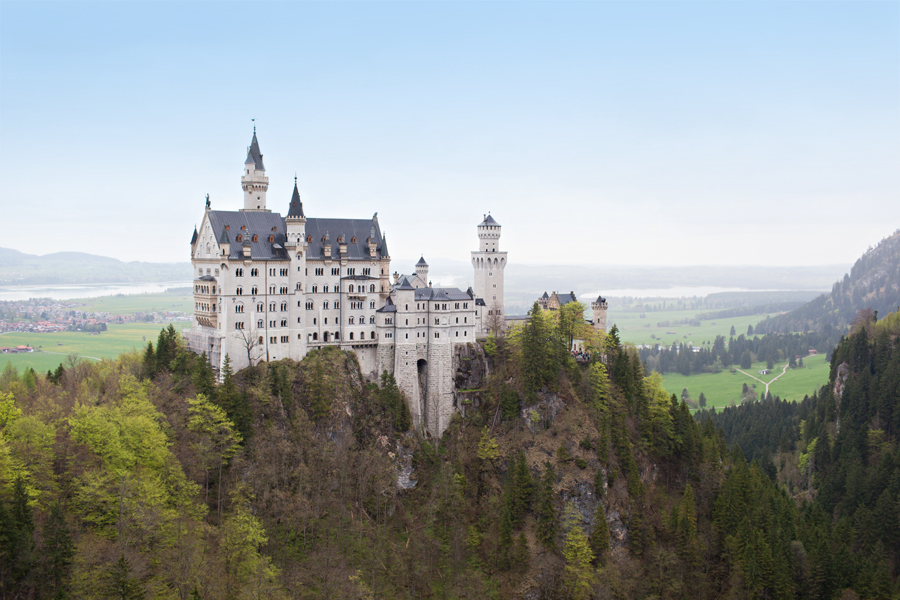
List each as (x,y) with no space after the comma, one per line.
(599,133)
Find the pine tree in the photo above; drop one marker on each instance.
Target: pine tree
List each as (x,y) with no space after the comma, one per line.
(58,552)
(547,520)
(599,539)
(702,400)
(120,584)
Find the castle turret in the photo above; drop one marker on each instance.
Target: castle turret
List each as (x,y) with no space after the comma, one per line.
(489,262)
(422,271)
(254,180)
(296,246)
(599,307)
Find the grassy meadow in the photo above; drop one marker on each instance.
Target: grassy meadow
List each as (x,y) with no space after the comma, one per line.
(724,388)
(637,330)
(55,348)
(140,303)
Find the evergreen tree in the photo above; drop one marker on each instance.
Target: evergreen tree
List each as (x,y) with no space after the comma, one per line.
(702,400)
(234,401)
(538,364)
(547,520)
(120,584)
(746,360)
(58,552)
(509,403)
(733,332)
(599,539)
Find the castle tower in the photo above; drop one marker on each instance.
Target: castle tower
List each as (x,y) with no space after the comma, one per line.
(254,180)
(489,262)
(422,271)
(296,245)
(599,307)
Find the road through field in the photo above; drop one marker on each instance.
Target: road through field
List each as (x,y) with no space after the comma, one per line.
(774,379)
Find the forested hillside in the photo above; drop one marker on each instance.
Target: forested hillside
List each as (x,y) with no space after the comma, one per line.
(873,283)
(143,478)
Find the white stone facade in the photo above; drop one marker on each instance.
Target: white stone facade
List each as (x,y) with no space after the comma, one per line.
(268,287)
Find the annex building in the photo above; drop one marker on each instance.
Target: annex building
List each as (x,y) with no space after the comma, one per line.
(268,287)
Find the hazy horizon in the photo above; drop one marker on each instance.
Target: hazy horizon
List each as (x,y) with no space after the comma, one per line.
(610,133)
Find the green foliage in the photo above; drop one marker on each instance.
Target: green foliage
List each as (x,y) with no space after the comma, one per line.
(394,403)
(487,446)
(121,584)
(58,552)
(510,403)
(539,355)
(545,511)
(599,538)
(579,574)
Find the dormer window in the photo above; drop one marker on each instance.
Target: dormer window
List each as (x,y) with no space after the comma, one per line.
(309,239)
(240,238)
(271,238)
(255,238)
(243,228)
(353,241)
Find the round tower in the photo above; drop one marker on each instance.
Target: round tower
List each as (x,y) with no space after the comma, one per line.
(422,270)
(599,307)
(489,262)
(254,181)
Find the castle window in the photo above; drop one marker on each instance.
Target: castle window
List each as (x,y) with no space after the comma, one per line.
(274,229)
(351,335)
(372,288)
(272,306)
(353,241)
(337,304)
(284,272)
(437,307)
(372,334)
(325,289)
(315,335)
(337,335)
(240,238)
(436,334)
(309,305)
(271,289)
(325,305)
(437,321)
(254,272)
(315,289)
(260,307)
(350,289)
(261,339)
(314,321)
(254,290)
(367,271)
(271,238)
(465,305)
(284,322)
(388,321)
(259,324)
(283,306)
(255,238)
(351,271)
(340,239)
(457,334)
(457,320)
(283,290)
(350,321)
(239,325)
(243,228)
(309,241)
(372,304)
(320,271)
(239,308)
(372,319)
(284,339)
(239,291)
(465,333)
(336,271)
(457,306)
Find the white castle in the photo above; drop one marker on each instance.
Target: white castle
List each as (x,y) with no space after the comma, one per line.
(268,287)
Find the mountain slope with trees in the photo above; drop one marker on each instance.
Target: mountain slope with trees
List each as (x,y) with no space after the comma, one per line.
(144,477)
(873,283)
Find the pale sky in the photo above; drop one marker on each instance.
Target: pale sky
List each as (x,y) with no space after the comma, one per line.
(596,133)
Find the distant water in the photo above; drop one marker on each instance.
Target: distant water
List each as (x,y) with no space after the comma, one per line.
(670,292)
(86,290)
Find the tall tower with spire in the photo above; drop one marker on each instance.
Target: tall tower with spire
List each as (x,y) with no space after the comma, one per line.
(489,263)
(254,180)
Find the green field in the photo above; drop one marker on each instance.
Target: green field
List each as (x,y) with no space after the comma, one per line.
(56,347)
(636,330)
(141,303)
(723,389)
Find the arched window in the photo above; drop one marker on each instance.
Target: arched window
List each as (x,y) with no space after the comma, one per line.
(372,288)
(259,323)
(239,291)
(260,307)
(350,321)
(254,290)
(353,241)
(351,335)
(315,336)
(337,335)
(255,238)
(309,241)
(271,238)
(260,339)
(373,335)
(350,288)
(238,308)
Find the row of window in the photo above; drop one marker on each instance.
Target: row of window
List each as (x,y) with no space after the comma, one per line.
(331,337)
(254,291)
(359,289)
(336,271)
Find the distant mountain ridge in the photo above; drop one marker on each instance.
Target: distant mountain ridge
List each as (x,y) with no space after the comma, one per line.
(19,268)
(873,282)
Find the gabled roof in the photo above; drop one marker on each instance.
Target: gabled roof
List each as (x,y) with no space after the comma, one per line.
(296,207)
(346,228)
(443,294)
(194,237)
(254,155)
(422,262)
(403,284)
(263,224)
(488,220)
(566,298)
(388,306)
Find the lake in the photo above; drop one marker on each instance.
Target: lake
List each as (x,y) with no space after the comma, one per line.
(86,290)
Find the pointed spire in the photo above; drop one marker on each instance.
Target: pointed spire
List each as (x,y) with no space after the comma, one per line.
(422,262)
(254,155)
(194,237)
(384,250)
(223,239)
(296,208)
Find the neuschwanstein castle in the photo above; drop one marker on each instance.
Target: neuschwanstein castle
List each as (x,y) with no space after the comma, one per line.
(268,287)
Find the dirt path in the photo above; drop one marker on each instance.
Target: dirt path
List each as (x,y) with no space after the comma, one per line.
(65,354)
(766,383)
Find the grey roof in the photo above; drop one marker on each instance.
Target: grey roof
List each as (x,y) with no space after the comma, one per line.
(383,249)
(566,298)
(488,220)
(296,207)
(206,278)
(480,302)
(194,237)
(348,228)
(422,262)
(403,284)
(600,299)
(223,237)
(443,294)
(254,155)
(255,222)
(545,296)
(388,306)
